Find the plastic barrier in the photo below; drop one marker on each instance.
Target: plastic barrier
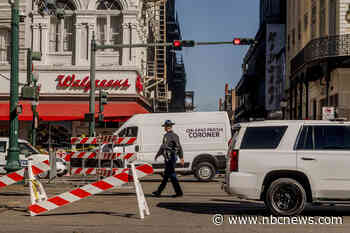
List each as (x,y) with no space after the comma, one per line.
(116,178)
(17,176)
(121,177)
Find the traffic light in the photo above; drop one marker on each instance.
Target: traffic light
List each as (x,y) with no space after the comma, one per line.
(178,44)
(103,96)
(243,41)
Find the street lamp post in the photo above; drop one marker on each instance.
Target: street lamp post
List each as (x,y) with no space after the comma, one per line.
(12,163)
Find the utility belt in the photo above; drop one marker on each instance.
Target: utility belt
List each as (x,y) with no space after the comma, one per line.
(169,154)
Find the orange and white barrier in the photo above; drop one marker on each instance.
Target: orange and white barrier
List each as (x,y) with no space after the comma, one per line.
(103,140)
(96,155)
(122,176)
(17,176)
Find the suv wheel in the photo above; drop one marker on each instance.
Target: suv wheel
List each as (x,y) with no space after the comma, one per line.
(285,197)
(204,171)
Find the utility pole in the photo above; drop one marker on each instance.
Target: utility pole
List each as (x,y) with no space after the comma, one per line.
(12,162)
(92,87)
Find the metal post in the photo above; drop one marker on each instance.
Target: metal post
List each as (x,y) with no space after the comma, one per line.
(92,86)
(29,67)
(130,42)
(13,151)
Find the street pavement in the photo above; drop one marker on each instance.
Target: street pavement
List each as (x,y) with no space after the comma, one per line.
(116,211)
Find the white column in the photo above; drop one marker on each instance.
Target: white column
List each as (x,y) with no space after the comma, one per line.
(77,43)
(126,40)
(36,37)
(45,42)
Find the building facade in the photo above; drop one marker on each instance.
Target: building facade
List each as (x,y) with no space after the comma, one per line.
(229,103)
(318,58)
(64,67)
(176,74)
(260,90)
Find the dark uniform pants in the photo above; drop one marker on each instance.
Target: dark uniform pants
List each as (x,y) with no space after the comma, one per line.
(169,172)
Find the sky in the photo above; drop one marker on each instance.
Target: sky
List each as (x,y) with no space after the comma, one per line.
(208,68)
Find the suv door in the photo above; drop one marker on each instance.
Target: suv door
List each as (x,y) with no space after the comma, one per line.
(323,153)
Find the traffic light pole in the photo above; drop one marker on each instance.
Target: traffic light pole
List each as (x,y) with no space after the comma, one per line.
(95,47)
(92,87)
(12,163)
(159,44)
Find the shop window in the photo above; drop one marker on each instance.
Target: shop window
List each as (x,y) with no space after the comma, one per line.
(5,38)
(109,24)
(61,30)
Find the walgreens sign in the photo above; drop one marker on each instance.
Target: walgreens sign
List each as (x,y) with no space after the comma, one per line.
(72,82)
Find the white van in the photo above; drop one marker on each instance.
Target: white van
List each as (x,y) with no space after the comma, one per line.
(204,137)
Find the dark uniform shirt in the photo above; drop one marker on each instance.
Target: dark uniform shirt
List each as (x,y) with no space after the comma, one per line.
(171,144)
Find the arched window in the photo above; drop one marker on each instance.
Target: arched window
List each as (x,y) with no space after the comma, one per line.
(61,30)
(108,24)
(5,38)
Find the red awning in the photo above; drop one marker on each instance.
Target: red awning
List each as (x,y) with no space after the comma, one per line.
(75,110)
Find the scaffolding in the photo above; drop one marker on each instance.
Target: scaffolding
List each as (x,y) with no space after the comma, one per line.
(155,80)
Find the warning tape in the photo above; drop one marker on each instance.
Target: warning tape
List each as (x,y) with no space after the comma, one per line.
(103,140)
(110,182)
(95,155)
(17,176)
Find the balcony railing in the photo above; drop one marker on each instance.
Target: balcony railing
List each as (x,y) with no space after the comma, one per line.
(320,49)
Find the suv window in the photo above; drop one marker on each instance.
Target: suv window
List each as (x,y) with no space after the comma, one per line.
(263,137)
(306,139)
(330,137)
(2,147)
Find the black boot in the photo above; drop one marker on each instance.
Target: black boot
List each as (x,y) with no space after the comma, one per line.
(156,194)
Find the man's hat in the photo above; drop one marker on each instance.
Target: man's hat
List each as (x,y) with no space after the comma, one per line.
(168,123)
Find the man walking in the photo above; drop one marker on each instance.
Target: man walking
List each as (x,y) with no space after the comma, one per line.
(170,149)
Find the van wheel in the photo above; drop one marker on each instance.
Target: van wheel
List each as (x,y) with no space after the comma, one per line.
(285,197)
(204,171)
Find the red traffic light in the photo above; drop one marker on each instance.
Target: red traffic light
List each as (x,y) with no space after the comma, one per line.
(236,41)
(177,43)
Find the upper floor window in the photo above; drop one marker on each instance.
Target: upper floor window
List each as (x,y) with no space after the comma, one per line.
(61,30)
(108,24)
(322,16)
(5,36)
(313,21)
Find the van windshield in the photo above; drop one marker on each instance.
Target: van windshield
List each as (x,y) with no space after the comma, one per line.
(128,132)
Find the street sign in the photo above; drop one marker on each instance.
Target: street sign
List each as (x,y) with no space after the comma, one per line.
(328,113)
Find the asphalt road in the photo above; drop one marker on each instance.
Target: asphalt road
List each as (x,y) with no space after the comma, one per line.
(116,211)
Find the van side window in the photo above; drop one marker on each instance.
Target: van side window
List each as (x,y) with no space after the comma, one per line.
(263,137)
(2,147)
(305,139)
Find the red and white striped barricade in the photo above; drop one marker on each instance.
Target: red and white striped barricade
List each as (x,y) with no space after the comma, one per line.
(99,155)
(118,179)
(18,176)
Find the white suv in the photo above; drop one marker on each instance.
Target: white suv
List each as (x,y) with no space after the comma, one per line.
(287,164)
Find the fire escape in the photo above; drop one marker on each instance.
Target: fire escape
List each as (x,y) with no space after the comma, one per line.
(155,80)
